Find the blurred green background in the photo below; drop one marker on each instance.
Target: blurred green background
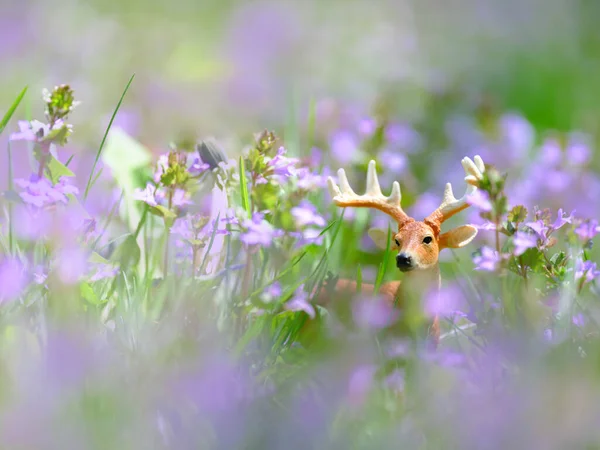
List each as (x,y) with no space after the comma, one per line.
(223,67)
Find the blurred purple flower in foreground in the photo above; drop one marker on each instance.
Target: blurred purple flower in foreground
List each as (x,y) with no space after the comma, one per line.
(480,200)
(523,241)
(445,302)
(587,230)
(13,279)
(146,195)
(586,270)
(488,259)
(41,192)
(299,302)
(374,313)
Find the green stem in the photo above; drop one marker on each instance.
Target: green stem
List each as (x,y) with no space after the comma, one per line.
(166,257)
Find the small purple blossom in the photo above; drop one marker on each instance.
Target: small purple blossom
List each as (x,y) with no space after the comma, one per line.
(271,292)
(586,270)
(522,241)
(299,302)
(587,230)
(30,131)
(344,147)
(41,192)
(360,383)
(281,165)
(146,195)
(180,198)
(13,279)
(561,220)
(196,166)
(306,214)
(488,259)
(367,126)
(308,181)
(481,200)
(258,231)
(578,320)
(540,229)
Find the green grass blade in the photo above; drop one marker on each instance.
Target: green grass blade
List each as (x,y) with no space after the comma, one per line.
(359,279)
(244,188)
(210,244)
(12,109)
(384,264)
(89,182)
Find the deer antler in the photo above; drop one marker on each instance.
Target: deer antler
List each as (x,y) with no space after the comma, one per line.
(373,198)
(450,204)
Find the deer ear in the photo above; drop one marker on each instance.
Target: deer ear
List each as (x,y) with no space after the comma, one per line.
(380,237)
(457,237)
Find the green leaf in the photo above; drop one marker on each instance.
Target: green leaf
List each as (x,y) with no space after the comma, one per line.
(244,188)
(128,161)
(517,214)
(12,110)
(56,169)
(89,182)
(88,294)
(128,253)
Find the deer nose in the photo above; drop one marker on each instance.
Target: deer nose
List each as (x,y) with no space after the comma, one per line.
(404,262)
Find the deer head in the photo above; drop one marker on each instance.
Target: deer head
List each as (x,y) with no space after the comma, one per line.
(418,242)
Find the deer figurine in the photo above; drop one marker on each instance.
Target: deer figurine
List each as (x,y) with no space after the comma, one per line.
(418,243)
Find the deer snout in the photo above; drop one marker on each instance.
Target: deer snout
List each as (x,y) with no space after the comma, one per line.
(404,262)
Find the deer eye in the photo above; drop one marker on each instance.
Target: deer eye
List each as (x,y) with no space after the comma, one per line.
(397,242)
(427,240)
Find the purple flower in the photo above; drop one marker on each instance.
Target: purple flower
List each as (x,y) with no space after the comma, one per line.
(587,230)
(540,229)
(281,165)
(480,200)
(586,270)
(258,231)
(196,166)
(522,241)
(30,131)
(306,214)
(367,126)
(308,181)
(374,313)
(446,301)
(393,161)
(360,383)
(299,302)
(13,279)
(578,320)
(488,259)
(560,220)
(40,192)
(180,198)
(578,151)
(104,271)
(518,133)
(146,195)
(271,292)
(310,236)
(402,136)
(344,147)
